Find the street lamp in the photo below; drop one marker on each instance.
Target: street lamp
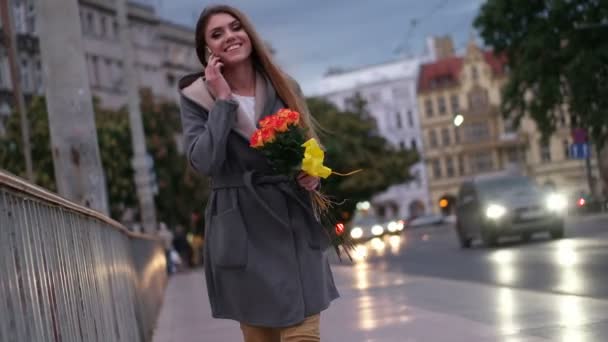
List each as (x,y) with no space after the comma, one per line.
(458,120)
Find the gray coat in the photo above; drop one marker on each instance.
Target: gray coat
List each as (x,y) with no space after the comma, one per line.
(264,260)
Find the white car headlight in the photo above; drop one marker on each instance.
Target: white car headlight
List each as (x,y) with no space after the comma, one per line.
(400,225)
(556,202)
(377,230)
(356,233)
(392,227)
(495,211)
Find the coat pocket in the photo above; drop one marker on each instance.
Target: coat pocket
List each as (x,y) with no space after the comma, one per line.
(229,239)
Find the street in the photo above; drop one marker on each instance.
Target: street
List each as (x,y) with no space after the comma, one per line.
(422,286)
(575,265)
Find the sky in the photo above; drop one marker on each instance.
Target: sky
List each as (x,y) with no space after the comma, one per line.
(310,36)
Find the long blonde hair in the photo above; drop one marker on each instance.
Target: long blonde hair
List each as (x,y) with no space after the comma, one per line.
(286,88)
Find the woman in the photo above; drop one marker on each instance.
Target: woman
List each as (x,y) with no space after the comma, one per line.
(264,250)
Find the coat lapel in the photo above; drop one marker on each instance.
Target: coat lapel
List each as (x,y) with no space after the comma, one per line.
(265,99)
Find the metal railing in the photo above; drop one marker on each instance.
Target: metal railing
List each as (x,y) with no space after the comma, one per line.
(68,273)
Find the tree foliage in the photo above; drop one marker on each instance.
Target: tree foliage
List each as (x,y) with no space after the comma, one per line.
(181,192)
(557,53)
(352,142)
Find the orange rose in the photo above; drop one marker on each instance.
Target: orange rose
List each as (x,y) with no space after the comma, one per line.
(267,121)
(256,139)
(268,135)
(283,112)
(280,124)
(293,118)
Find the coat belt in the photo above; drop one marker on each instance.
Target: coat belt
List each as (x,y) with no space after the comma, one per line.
(251,179)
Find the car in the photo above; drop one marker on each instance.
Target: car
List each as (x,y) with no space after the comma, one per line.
(426,220)
(366,227)
(489,208)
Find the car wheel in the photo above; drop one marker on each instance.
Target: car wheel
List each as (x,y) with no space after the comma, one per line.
(465,242)
(489,238)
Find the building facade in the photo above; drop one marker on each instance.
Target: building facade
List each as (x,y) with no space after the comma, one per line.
(389,90)
(163,50)
(484,142)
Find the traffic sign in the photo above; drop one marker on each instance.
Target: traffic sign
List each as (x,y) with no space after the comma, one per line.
(579,135)
(579,151)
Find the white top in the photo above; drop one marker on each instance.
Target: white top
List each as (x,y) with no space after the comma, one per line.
(247,104)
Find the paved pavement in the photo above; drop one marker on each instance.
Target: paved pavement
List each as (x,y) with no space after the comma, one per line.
(391,307)
(422,287)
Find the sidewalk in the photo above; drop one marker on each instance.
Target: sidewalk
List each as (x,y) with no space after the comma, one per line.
(377,306)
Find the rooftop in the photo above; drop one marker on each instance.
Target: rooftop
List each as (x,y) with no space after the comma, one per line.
(390,71)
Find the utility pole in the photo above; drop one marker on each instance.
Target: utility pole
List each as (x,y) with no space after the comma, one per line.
(10,42)
(78,170)
(141,163)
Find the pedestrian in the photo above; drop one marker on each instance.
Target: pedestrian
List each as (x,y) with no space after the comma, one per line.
(264,250)
(167,237)
(182,246)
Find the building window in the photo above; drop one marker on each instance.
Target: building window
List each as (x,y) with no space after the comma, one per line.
(455,104)
(436,168)
(478,99)
(461,165)
(441,107)
(474,73)
(399,120)
(482,162)
(545,150)
(410,118)
(428,106)
(433,139)
(102,25)
(449,167)
(115,28)
(89,24)
(477,132)
(457,135)
(25,75)
(566,145)
(31,18)
(445,137)
(513,155)
(402,145)
(414,145)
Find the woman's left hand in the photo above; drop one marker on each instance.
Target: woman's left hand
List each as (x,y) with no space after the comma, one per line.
(307,181)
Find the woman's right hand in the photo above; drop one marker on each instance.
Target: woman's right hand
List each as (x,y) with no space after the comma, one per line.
(218,86)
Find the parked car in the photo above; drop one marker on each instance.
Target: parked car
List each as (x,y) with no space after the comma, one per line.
(507,205)
(367,227)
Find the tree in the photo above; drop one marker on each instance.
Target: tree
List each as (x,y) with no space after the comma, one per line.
(351,142)
(182,193)
(115,149)
(557,53)
(11,145)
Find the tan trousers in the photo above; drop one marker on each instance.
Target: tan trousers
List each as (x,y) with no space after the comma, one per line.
(307,331)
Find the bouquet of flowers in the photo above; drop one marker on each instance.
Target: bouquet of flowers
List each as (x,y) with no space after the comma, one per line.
(283,140)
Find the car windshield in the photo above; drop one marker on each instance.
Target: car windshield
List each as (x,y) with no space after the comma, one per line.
(506,186)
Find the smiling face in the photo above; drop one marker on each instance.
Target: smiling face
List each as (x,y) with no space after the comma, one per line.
(226,38)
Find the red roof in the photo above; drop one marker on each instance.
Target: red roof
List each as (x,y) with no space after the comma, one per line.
(445,72)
